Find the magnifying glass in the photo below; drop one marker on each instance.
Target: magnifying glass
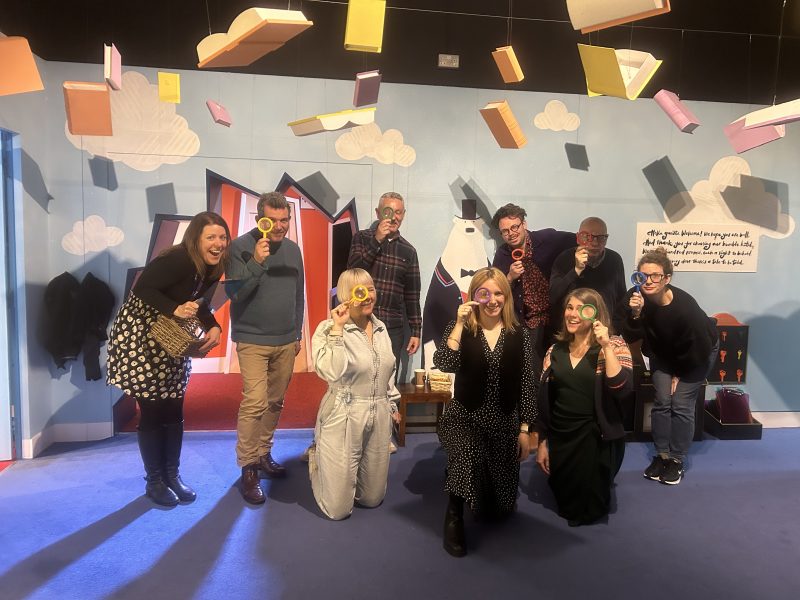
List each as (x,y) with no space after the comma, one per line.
(588,312)
(482,296)
(265,225)
(517,253)
(359,294)
(638,279)
(583,237)
(387,213)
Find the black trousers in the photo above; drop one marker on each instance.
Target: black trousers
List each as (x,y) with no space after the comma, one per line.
(153,414)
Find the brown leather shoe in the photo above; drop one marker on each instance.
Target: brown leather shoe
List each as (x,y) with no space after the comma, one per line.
(270,468)
(250,485)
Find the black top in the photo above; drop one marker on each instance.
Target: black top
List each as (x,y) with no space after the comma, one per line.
(680,334)
(170,280)
(607,278)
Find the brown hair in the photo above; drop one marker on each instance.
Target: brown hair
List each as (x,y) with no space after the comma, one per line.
(587,296)
(274,200)
(509,211)
(478,280)
(191,242)
(656,257)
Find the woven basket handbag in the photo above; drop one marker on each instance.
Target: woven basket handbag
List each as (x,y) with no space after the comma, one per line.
(179,337)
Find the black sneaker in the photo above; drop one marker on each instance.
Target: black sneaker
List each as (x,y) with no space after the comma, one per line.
(672,473)
(655,469)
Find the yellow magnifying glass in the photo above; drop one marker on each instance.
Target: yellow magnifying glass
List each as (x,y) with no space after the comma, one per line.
(387,213)
(359,294)
(265,225)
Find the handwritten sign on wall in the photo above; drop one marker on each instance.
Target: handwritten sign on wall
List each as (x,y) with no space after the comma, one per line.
(702,247)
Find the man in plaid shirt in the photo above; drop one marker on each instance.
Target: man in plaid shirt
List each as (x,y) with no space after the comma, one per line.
(394,267)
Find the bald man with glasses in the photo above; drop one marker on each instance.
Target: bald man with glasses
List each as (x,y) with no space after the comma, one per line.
(589,264)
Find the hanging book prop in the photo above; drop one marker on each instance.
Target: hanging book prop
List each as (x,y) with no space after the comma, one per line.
(112,67)
(503,125)
(677,111)
(364,29)
(19,73)
(743,139)
(219,113)
(780,114)
(169,87)
(88,107)
(618,73)
(508,64)
(368,84)
(344,119)
(592,15)
(254,33)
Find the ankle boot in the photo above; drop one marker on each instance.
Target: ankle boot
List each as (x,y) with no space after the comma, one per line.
(173,441)
(251,485)
(152,450)
(454,542)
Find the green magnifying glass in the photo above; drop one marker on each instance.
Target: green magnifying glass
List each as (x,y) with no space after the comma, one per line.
(588,312)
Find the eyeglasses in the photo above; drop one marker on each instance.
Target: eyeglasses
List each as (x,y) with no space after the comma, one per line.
(601,238)
(654,277)
(510,230)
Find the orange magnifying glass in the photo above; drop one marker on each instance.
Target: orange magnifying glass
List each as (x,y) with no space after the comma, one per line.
(517,253)
(265,225)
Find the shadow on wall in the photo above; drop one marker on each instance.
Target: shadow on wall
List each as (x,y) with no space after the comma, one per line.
(33,182)
(770,336)
(668,187)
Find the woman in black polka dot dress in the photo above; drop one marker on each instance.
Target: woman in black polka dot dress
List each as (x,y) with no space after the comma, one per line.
(485,428)
(171,285)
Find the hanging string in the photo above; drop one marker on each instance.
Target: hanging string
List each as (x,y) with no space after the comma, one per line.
(749,60)
(680,67)
(208,17)
(509,23)
(778,60)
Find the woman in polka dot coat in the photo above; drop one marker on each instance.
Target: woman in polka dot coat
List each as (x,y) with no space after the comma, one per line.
(485,427)
(171,284)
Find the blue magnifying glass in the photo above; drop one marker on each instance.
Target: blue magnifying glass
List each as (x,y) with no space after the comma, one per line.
(638,279)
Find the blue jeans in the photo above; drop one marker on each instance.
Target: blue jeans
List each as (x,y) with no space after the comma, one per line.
(672,417)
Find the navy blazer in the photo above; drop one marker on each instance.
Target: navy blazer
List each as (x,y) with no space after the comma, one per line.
(547,244)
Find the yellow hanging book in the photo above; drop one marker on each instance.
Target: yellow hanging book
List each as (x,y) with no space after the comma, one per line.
(364,29)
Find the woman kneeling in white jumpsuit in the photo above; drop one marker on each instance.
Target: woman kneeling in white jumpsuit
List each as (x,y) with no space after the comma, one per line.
(349,462)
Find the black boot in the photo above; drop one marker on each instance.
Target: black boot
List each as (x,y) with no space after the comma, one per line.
(173,440)
(454,527)
(152,449)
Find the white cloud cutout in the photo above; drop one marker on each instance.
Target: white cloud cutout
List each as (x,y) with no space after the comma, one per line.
(148,133)
(91,235)
(732,195)
(556,117)
(367,140)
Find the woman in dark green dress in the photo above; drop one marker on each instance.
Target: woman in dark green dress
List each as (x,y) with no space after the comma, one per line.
(586,374)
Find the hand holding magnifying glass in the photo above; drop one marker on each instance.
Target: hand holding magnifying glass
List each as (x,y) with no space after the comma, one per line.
(583,238)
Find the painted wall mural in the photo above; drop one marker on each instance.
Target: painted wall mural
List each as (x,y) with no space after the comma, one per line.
(367,140)
(91,235)
(556,117)
(148,133)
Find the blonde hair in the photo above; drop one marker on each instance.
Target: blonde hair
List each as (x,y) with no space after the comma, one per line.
(586,296)
(350,279)
(478,280)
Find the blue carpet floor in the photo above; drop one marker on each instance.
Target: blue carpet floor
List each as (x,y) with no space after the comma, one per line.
(74,525)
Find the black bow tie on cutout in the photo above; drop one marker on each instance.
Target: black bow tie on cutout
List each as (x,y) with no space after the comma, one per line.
(464,273)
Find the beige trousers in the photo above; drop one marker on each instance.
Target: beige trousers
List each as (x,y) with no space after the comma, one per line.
(350,459)
(266,371)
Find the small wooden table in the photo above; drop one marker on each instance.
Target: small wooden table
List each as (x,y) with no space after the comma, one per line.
(411,394)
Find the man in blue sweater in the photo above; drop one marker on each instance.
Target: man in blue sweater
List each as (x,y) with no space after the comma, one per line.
(266,288)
